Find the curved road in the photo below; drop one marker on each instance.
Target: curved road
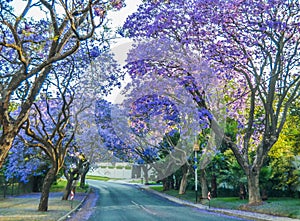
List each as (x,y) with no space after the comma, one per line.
(122,202)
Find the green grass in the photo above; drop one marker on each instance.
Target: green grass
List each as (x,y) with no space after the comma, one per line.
(287,207)
(157,188)
(61,184)
(102,178)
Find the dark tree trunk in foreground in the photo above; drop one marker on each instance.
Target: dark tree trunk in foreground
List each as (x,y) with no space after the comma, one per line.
(50,177)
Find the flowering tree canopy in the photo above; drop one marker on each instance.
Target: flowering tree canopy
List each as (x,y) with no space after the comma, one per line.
(253,49)
(30,45)
(24,162)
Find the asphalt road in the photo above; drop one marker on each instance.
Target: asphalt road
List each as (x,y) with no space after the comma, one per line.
(121,202)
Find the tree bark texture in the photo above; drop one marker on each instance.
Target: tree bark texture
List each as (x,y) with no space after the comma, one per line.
(5,145)
(253,188)
(203,181)
(68,187)
(145,172)
(83,174)
(43,205)
(183,182)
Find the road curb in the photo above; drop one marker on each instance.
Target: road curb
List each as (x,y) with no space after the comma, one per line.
(75,208)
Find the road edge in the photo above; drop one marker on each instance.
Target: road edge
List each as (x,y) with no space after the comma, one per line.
(236,213)
(74,210)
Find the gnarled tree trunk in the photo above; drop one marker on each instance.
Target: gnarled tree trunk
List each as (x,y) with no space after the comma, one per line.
(50,177)
(74,175)
(84,173)
(5,144)
(183,182)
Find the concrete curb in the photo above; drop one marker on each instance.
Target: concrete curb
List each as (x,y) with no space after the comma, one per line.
(74,209)
(236,213)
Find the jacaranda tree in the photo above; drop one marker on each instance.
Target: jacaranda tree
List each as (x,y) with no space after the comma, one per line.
(30,44)
(26,164)
(253,48)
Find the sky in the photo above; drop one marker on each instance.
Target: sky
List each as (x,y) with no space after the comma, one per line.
(122,45)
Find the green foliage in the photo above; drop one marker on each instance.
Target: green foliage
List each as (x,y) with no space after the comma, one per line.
(231,173)
(61,184)
(58,186)
(283,154)
(287,207)
(167,143)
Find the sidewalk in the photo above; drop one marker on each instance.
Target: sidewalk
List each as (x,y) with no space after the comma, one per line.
(236,213)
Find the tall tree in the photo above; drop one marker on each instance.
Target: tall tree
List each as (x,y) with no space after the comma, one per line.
(53,120)
(253,46)
(30,45)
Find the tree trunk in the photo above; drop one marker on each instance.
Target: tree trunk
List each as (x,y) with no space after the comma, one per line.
(242,192)
(68,187)
(82,180)
(6,142)
(83,175)
(203,181)
(50,177)
(145,172)
(167,183)
(183,182)
(253,188)
(214,186)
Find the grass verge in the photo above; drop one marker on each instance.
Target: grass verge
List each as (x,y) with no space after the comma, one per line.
(102,178)
(25,207)
(286,207)
(61,184)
